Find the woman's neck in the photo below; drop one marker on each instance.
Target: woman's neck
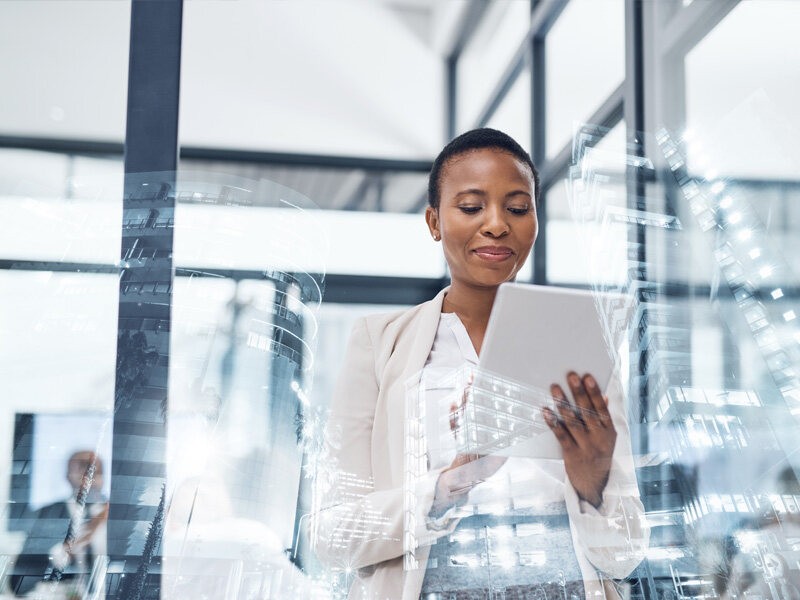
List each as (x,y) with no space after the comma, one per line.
(473,306)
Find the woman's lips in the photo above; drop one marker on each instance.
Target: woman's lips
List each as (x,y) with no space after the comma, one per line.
(494,253)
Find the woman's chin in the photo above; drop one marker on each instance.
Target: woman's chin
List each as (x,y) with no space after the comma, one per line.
(493,280)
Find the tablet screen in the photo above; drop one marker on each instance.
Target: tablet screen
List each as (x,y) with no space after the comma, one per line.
(538,334)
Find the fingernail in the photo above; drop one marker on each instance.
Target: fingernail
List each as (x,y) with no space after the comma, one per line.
(573,379)
(590,381)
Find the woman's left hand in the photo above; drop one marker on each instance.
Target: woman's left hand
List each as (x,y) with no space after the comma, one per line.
(586,434)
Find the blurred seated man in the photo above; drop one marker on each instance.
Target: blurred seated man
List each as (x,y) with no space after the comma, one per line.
(66,536)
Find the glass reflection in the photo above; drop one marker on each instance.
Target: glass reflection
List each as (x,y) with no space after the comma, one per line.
(240,375)
(715,468)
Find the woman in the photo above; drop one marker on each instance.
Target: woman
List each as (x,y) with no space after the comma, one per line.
(482,193)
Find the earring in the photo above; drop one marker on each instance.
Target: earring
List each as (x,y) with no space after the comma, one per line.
(436,237)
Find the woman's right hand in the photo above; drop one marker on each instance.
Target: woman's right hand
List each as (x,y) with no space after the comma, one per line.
(464,473)
(467,470)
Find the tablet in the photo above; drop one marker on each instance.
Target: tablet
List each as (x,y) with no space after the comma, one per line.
(537,334)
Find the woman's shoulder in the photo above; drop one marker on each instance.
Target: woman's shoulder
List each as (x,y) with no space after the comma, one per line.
(380,325)
(384,319)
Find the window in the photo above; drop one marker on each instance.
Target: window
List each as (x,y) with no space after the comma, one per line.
(585,56)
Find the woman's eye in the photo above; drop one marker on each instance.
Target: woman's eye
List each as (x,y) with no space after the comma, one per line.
(519,211)
(470,210)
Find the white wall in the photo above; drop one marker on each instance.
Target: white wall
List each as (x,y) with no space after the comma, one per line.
(64,68)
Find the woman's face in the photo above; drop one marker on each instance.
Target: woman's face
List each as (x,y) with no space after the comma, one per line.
(486,217)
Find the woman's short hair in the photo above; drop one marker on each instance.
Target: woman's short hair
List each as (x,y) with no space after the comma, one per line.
(477,139)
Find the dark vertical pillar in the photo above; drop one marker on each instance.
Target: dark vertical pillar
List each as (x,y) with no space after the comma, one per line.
(151,136)
(286,413)
(538,148)
(636,192)
(145,300)
(451,94)
(300,547)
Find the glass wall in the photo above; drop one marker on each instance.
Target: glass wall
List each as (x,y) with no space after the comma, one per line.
(716,340)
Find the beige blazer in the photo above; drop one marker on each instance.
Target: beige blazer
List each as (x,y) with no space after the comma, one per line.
(358,521)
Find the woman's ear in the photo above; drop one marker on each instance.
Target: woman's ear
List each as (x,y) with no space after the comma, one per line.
(432,218)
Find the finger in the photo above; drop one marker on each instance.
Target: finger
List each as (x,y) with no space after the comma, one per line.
(472,470)
(582,401)
(489,465)
(462,459)
(568,416)
(562,434)
(455,482)
(457,410)
(453,418)
(599,402)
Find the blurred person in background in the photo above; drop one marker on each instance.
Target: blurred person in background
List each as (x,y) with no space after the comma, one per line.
(66,537)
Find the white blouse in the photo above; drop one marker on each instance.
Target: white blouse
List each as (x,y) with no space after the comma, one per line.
(520,482)
(452,350)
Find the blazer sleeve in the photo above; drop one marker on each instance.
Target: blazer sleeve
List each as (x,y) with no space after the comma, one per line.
(354,525)
(614,536)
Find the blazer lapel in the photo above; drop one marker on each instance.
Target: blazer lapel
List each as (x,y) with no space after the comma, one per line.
(423,327)
(426,324)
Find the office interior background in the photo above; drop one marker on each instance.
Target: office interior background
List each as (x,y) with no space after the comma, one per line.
(180,265)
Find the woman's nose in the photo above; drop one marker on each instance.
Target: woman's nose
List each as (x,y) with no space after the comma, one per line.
(495,223)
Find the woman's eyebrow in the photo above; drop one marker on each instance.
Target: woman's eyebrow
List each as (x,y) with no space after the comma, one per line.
(480,192)
(471,192)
